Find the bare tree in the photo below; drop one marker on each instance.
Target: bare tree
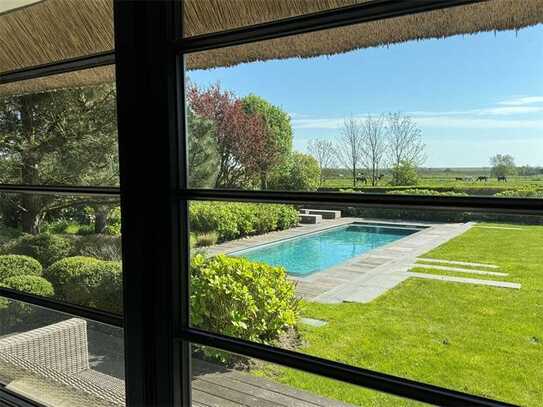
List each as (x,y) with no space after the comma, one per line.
(404,140)
(348,149)
(373,145)
(324,152)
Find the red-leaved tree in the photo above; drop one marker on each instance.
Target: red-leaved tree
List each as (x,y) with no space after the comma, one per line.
(240,136)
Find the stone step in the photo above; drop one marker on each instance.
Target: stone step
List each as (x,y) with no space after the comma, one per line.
(459,263)
(326,214)
(460,270)
(476,281)
(309,219)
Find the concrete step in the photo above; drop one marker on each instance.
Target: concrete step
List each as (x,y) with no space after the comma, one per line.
(459,270)
(459,263)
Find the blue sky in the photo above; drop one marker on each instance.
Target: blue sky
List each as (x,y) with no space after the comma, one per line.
(472,96)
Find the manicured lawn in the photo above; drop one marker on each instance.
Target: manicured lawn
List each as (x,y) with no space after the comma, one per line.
(482,340)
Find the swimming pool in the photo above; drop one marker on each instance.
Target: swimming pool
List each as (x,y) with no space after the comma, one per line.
(307,254)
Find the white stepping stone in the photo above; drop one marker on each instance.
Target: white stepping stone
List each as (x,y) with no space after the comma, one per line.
(503,284)
(499,227)
(313,322)
(459,270)
(459,263)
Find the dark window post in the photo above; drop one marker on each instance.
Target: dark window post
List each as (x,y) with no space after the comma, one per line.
(149,166)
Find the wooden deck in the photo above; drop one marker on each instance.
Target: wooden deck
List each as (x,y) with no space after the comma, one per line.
(214,386)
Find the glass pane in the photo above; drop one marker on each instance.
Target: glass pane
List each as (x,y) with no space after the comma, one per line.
(57,359)
(463,115)
(41,32)
(60,130)
(64,247)
(240,381)
(442,297)
(211,16)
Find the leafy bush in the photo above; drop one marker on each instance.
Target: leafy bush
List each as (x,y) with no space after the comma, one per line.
(520,193)
(114,222)
(45,247)
(87,281)
(31,284)
(236,297)
(404,173)
(205,239)
(14,313)
(301,172)
(231,220)
(102,247)
(425,192)
(13,265)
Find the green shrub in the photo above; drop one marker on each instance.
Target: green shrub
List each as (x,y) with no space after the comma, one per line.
(45,247)
(520,193)
(232,220)
(205,239)
(31,284)
(103,247)
(87,281)
(13,265)
(417,191)
(404,173)
(114,222)
(300,172)
(243,299)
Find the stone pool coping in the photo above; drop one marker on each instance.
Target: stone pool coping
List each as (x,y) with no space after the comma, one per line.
(361,278)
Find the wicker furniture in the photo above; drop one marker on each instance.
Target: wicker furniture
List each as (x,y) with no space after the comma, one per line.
(51,365)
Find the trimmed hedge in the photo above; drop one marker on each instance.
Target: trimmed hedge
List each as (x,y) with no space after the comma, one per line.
(45,247)
(13,265)
(232,220)
(415,191)
(31,284)
(243,299)
(87,281)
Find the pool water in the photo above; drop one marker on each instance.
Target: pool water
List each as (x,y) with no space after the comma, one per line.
(307,254)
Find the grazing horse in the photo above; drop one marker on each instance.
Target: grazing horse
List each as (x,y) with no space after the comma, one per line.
(362,178)
(482,178)
(459,179)
(502,178)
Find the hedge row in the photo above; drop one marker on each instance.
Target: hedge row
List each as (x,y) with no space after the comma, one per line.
(232,220)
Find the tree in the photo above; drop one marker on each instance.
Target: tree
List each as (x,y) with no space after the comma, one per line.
(300,172)
(404,173)
(404,140)
(277,143)
(348,149)
(203,160)
(373,146)
(239,136)
(323,151)
(63,137)
(502,165)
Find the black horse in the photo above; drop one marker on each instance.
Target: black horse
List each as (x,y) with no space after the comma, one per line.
(362,178)
(482,178)
(502,178)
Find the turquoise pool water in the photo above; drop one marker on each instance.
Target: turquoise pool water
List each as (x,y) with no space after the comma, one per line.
(307,254)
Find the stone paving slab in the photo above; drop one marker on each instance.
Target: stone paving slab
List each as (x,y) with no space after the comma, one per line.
(459,270)
(503,284)
(459,263)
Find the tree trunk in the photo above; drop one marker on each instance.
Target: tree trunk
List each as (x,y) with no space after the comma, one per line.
(263,181)
(100,218)
(354,177)
(31,217)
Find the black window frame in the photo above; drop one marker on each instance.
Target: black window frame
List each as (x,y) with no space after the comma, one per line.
(154,193)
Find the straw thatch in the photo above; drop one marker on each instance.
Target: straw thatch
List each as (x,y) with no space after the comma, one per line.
(53,30)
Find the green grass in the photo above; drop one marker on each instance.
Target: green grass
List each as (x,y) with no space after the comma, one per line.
(482,340)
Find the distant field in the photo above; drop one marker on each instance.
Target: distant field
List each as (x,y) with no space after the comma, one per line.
(440,178)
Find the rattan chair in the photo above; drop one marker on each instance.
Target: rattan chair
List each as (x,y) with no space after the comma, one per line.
(51,365)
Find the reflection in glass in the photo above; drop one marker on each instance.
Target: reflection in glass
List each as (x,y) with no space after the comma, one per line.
(56,359)
(64,247)
(60,130)
(242,381)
